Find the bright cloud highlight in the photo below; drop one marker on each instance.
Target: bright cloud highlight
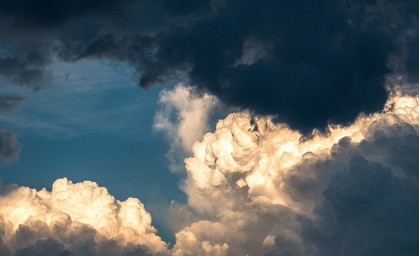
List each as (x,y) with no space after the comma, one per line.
(80,218)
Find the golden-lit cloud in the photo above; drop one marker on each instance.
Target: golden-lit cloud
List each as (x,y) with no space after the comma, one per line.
(252,177)
(74,210)
(254,187)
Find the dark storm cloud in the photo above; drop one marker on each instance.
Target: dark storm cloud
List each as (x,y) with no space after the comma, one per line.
(308,62)
(39,14)
(9,146)
(412,37)
(412,62)
(320,61)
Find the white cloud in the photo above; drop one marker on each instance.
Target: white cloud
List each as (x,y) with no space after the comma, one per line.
(75,213)
(196,240)
(184,118)
(258,180)
(255,187)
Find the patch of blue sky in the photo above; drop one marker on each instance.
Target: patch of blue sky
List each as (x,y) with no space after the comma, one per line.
(89,97)
(92,122)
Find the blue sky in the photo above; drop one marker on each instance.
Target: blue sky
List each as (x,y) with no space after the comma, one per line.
(92,122)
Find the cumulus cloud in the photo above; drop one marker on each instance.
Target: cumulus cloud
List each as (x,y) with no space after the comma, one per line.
(9,146)
(184,117)
(255,187)
(74,219)
(263,188)
(267,56)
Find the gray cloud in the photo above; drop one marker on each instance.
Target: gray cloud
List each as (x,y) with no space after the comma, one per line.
(368,198)
(41,240)
(21,72)
(48,247)
(8,103)
(9,146)
(368,209)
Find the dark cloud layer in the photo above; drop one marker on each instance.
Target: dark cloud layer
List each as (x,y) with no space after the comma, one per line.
(304,62)
(43,14)
(37,238)
(308,62)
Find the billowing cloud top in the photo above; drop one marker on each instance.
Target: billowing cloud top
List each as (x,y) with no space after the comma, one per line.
(74,219)
(307,62)
(263,188)
(254,187)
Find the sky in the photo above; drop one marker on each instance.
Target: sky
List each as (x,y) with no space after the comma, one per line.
(209,127)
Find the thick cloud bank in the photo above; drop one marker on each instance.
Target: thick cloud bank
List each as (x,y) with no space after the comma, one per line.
(308,62)
(74,219)
(262,188)
(254,187)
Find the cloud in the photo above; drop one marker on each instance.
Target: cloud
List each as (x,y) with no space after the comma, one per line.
(75,219)
(263,188)
(306,75)
(9,146)
(46,247)
(194,240)
(21,70)
(366,206)
(8,103)
(254,187)
(273,58)
(184,118)
(34,32)
(39,14)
